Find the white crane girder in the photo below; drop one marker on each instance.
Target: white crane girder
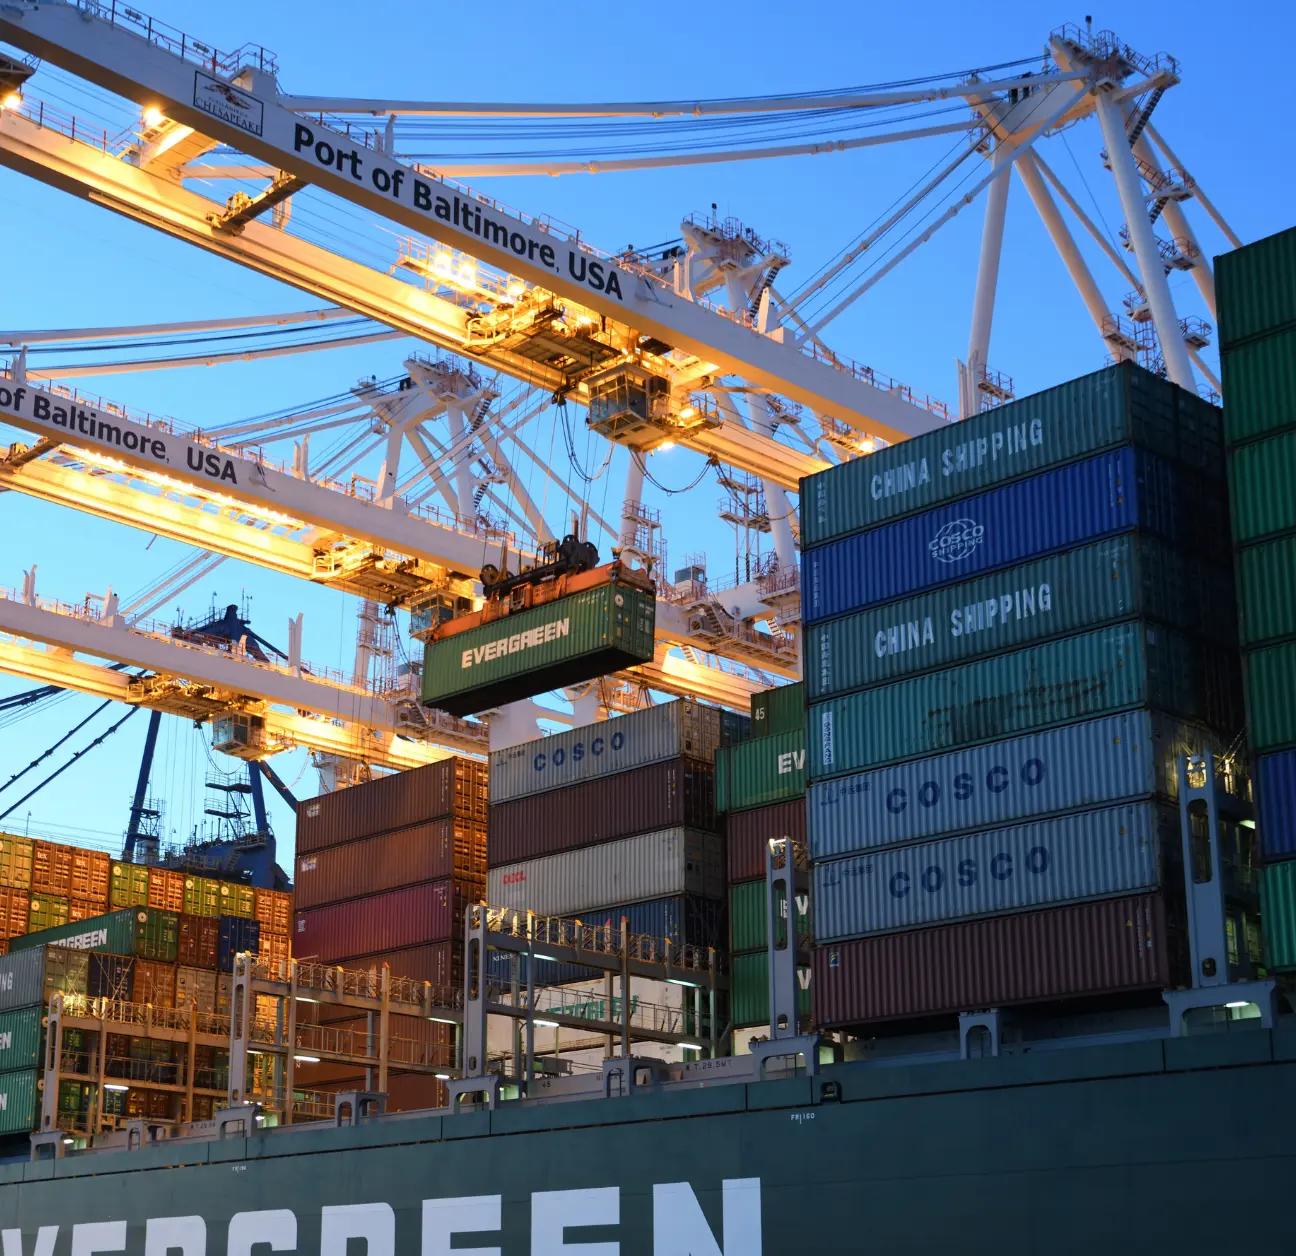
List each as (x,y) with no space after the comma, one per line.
(249,116)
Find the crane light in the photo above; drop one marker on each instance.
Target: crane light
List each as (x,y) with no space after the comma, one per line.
(11,100)
(153,116)
(665,445)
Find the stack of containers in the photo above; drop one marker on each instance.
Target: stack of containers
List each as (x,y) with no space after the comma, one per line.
(43,884)
(613,820)
(1257,329)
(760,790)
(1012,627)
(384,873)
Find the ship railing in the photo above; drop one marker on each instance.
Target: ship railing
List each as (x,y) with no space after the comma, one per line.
(367,983)
(186,47)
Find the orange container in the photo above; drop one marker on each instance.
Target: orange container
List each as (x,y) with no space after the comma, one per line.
(166,889)
(275,947)
(90,878)
(154,983)
(51,869)
(15,908)
(84,909)
(274,909)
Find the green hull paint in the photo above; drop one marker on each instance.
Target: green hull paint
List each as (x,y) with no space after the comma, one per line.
(1063,1152)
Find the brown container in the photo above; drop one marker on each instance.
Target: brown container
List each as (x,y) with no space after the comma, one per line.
(383,922)
(91,874)
(660,796)
(154,983)
(386,861)
(453,787)
(51,869)
(406,1092)
(274,909)
(166,889)
(747,835)
(199,942)
(15,910)
(411,1037)
(1104,947)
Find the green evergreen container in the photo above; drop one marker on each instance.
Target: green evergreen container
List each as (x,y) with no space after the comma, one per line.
(1255,287)
(1262,488)
(779,710)
(574,638)
(1075,678)
(19,1101)
(1271,697)
(21,1033)
(1114,579)
(128,885)
(763,770)
(1260,386)
(1266,584)
(144,932)
(1278,914)
(747,915)
(1119,404)
(749,991)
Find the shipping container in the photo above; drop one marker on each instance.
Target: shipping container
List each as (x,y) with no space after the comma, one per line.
(1266,583)
(166,889)
(21,1033)
(237,900)
(128,885)
(198,942)
(143,931)
(33,976)
(1121,578)
(1278,915)
(749,915)
(19,1101)
(15,861)
(110,976)
(761,771)
(15,913)
(153,983)
(382,922)
(202,896)
(234,935)
(1256,288)
(778,710)
(424,852)
(196,986)
(673,794)
(90,878)
(1074,678)
(1270,686)
(1115,492)
(1260,383)
(651,865)
(1261,475)
(1275,787)
(570,639)
(1118,757)
(79,909)
(274,909)
(1089,854)
(451,787)
(46,913)
(748,834)
(51,870)
(1113,945)
(628,741)
(749,991)
(275,948)
(439,963)
(1111,407)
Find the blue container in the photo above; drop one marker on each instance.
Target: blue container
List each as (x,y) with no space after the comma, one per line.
(682,918)
(1113,492)
(1088,854)
(236,934)
(1276,805)
(1131,755)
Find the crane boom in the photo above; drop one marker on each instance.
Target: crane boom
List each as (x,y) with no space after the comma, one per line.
(237,103)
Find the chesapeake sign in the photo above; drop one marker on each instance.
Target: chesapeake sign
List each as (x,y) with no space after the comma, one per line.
(64,419)
(678,1228)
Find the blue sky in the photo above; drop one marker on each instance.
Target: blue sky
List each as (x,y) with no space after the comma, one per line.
(71,264)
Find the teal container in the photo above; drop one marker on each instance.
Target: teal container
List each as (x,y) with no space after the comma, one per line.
(780,710)
(145,932)
(1127,576)
(748,904)
(749,990)
(1262,488)
(21,1033)
(19,1101)
(1271,697)
(761,771)
(1255,288)
(1260,386)
(1118,405)
(1266,584)
(1075,678)
(1278,915)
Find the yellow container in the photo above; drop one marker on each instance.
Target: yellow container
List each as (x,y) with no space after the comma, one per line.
(15,862)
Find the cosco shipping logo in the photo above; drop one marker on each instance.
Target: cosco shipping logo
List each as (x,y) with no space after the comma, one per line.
(575,753)
(956,540)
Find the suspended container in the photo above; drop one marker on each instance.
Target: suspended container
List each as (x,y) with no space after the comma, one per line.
(1111,493)
(596,629)
(1074,678)
(762,771)
(1127,756)
(1115,579)
(1256,289)
(1121,404)
(1259,380)
(661,732)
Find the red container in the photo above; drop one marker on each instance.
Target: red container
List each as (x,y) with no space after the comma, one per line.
(154,983)
(15,910)
(199,942)
(660,796)
(453,787)
(440,963)
(382,922)
(406,1092)
(423,852)
(1113,945)
(747,835)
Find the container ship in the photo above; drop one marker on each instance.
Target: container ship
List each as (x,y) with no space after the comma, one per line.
(979,936)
